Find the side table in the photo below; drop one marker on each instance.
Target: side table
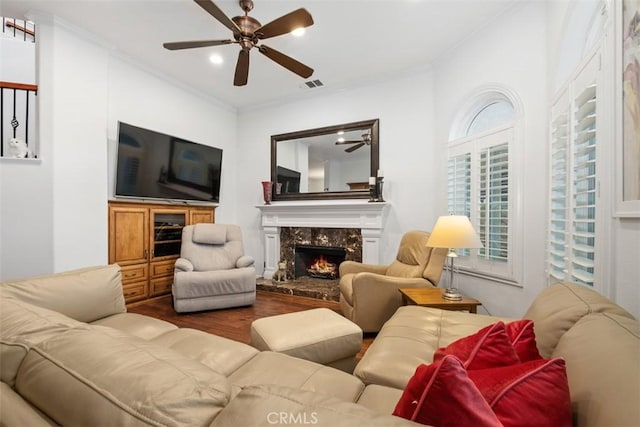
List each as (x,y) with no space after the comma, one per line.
(432,297)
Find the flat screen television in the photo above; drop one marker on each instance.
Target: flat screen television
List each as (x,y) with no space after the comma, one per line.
(289,179)
(154,165)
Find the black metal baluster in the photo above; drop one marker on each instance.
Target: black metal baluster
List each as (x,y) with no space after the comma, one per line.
(14,122)
(26,121)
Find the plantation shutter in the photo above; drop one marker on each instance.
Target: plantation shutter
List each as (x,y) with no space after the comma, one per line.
(573,184)
(559,203)
(584,187)
(493,206)
(459,188)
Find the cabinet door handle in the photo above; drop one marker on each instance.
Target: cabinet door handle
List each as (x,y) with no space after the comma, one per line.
(146,254)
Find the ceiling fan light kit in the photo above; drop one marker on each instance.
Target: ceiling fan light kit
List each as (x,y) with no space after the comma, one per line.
(248,33)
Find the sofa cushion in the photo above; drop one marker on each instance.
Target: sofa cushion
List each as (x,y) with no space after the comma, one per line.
(441,394)
(487,348)
(17,412)
(268,367)
(220,354)
(23,325)
(558,307)
(83,377)
(533,393)
(380,398)
(141,326)
(267,405)
(602,353)
(96,291)
(410,338)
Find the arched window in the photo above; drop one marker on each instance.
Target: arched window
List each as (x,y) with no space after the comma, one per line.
(491,115)
(482,183)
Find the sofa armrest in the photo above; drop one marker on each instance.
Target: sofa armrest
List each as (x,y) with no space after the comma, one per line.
(245,261)
(376,297)
(352,267)
(183,265)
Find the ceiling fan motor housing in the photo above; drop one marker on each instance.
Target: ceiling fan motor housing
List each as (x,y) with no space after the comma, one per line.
(248,25)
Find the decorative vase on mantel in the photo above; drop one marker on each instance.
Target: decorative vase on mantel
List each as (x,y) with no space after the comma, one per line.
(267,188)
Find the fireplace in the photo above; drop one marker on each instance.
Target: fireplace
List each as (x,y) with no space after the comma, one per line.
(335,244)
(319,262)
(358,223)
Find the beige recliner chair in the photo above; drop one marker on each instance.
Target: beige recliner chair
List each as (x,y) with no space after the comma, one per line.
(212,271)
(369,293)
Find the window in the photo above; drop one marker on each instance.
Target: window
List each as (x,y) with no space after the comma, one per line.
(481,185)
(574,203)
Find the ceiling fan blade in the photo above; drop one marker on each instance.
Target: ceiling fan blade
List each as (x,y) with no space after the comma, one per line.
(354,148)
(242,69)
(286,61)
(215,11)
(194,44)
(348,142)
(285,24)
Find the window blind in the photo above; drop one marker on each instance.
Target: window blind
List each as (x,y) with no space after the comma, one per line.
(559,201)
(459,188)
(493,206)
(584,187)
(571,252)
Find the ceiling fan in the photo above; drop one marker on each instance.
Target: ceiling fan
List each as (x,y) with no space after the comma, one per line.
(366,140)
(248,32)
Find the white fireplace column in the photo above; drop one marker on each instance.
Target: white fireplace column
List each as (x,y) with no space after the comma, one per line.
(368,217)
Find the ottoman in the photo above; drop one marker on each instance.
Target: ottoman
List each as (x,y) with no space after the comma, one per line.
(319,335)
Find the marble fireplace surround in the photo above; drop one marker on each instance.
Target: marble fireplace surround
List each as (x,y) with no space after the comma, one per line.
(359,214)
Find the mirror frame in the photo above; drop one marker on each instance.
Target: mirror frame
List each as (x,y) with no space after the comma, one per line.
(373,124)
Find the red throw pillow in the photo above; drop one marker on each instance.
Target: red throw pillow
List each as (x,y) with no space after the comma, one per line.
(487,348)
(533,393)
(523,339)
(441,394)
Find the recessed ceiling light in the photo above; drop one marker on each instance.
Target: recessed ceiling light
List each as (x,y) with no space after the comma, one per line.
(298,32)
(216,59)
(341,139)
(340,132)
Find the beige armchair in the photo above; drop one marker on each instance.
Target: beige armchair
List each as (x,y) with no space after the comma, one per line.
(212,271)
(369,293)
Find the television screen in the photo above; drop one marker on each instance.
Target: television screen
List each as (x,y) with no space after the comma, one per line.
(289,179)
(154,165)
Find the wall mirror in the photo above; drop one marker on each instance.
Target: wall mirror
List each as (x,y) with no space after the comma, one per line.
(333,162)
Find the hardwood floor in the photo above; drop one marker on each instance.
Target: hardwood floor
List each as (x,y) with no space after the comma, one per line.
(235,323)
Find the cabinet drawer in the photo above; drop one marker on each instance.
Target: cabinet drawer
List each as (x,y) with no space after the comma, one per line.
(162,269)
(135,291)
(161,286)
(134,273)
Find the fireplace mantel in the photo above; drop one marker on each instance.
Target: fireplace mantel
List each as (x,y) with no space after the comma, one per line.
(368,217)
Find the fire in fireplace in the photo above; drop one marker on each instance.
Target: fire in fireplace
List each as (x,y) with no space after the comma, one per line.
(320,262)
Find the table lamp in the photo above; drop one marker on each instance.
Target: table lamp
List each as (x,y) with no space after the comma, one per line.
(453,232)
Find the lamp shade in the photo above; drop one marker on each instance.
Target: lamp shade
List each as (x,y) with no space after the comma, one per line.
(454,231)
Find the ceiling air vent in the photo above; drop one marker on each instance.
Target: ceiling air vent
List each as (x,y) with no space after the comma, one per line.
(313,83)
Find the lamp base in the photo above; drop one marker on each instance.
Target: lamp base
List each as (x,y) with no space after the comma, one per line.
(451,294)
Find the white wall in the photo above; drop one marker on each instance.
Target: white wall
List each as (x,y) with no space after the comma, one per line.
(405,109)
(54,212)
(510,54)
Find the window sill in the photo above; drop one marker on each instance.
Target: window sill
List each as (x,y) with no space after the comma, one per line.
(493,278)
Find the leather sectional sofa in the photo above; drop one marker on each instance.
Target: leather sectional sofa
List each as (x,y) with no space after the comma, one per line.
(71,355)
